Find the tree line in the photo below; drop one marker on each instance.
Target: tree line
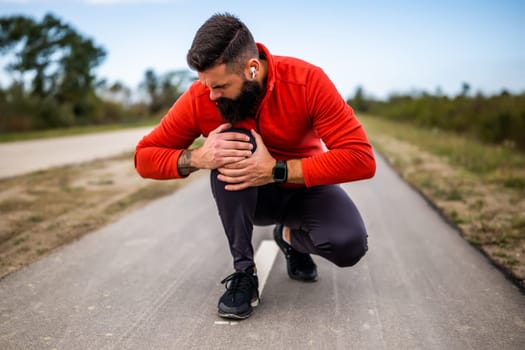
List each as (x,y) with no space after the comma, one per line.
(54,84)
(497,119)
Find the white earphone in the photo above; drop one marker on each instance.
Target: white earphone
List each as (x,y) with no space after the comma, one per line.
(252,69)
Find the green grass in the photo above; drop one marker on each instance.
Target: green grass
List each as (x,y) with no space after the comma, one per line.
(514,182)
(519,224)
(482,159)
(480,187)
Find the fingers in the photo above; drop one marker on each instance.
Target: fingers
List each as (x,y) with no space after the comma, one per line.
(228,144)
(226,152)
(225,146)
(233,145)
(232,149)
(230,136)
(231,175)
(230,157)
(231,140)
(233,183)
(234,172)
(221,128)
(236,187)
(259,143)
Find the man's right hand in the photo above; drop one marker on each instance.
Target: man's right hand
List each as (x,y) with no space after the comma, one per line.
(221,148)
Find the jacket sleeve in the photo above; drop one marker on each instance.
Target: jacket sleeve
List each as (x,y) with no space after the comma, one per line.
(349,156)
(157,154)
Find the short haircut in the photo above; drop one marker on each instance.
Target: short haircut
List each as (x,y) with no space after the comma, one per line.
(222,39)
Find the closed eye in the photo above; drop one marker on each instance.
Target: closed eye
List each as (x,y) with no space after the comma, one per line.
(216,87)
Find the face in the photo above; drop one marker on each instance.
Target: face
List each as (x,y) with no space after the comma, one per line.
(244,106)
(236,97)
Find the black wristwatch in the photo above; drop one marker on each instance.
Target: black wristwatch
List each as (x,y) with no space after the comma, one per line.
(280,172)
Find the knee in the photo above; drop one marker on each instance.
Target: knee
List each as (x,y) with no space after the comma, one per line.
(231,199)
(214,172)
(245,132)
(348,250)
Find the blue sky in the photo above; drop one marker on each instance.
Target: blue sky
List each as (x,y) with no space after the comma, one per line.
(384,46)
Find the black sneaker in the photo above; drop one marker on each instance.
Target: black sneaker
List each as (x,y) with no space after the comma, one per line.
(300,266)
(241,294)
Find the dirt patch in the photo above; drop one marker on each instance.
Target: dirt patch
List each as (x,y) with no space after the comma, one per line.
(47,209)
(489,215)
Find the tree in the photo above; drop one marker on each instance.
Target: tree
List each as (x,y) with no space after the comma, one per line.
(116,92)
(165,89)
(359,102)
(150,84)
(465,89)
(60,60)
(173,85)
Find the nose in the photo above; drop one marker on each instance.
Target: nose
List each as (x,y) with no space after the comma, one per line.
(214,95)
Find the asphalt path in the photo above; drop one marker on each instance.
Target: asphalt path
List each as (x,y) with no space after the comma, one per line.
(17,158)
(152,281)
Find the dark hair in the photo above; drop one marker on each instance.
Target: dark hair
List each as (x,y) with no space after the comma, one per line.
(223,38)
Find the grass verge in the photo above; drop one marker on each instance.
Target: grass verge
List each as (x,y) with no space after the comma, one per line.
(47,209)
(478,187)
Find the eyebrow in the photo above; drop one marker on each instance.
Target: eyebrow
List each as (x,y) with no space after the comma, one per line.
(218,86)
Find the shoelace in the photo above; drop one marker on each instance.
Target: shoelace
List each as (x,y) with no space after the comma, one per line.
(239,281)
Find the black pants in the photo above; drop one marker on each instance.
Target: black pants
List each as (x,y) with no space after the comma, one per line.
(323,220)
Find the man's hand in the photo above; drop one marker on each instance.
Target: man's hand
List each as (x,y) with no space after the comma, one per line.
(221,148)
(248,172)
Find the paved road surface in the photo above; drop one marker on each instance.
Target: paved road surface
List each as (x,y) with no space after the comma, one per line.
(18,158)
(151,281)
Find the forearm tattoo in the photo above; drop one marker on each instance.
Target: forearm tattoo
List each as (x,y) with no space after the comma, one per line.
(184,163)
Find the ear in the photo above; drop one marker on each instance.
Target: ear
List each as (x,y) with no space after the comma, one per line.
(252,67)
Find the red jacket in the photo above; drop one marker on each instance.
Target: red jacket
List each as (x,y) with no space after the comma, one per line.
(301,107)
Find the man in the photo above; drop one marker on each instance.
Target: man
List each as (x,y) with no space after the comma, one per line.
(264,117)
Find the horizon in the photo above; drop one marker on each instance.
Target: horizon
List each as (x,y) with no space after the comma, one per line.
(394,47)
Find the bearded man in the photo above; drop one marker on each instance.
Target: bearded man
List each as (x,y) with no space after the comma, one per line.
(265,119)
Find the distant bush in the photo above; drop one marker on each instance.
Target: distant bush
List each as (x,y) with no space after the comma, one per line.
(496,119)
(54,84)
(20,111)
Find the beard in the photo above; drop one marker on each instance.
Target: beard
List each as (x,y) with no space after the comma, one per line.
(244,106)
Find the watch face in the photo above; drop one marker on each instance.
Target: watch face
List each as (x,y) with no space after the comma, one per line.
(279,173)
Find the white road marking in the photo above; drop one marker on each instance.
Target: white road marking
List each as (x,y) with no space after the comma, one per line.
(226,323)
(264,258)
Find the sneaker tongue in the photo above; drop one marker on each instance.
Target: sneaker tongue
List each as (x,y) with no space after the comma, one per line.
(286,235)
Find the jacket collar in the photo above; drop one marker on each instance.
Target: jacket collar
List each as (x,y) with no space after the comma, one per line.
(265,54)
